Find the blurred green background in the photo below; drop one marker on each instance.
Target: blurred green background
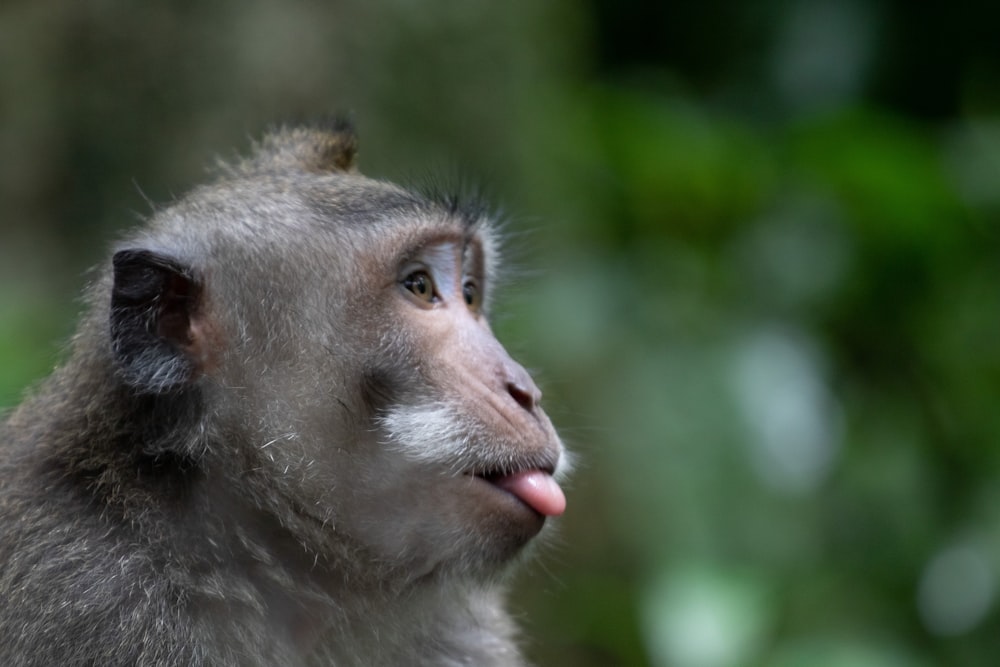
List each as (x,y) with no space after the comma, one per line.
(758,266)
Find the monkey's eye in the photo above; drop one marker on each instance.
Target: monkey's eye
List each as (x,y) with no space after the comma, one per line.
(470,292)
(422,286)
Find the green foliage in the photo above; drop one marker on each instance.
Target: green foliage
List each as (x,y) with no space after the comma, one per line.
(778,344)
(28,347)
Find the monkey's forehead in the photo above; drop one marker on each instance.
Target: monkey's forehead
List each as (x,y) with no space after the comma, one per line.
(266,213)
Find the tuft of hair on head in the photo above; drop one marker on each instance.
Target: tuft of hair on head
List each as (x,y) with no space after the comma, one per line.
(326,146)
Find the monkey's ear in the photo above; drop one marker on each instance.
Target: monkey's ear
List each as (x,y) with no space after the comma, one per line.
(328,146)
(156,336)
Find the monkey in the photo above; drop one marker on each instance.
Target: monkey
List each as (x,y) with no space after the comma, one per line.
(282,434)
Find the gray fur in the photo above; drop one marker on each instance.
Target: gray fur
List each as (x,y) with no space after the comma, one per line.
(209,479)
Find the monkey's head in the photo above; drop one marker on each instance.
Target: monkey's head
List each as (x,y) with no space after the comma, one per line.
(332,333)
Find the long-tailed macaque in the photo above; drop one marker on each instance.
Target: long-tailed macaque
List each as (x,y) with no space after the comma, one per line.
(284,434)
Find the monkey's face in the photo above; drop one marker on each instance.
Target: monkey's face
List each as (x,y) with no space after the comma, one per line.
(414,434)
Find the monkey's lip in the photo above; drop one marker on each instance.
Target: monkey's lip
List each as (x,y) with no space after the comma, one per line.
(534,487)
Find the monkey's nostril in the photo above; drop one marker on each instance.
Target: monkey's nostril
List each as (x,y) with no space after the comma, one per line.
(525,397)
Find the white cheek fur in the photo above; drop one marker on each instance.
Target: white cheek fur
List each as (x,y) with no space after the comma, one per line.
(432,433)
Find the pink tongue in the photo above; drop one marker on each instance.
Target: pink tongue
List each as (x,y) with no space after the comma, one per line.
(537,490)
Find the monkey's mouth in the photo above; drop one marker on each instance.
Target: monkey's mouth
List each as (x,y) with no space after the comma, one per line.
(534,487)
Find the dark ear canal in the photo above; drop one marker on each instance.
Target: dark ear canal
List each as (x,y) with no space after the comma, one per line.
(154,303)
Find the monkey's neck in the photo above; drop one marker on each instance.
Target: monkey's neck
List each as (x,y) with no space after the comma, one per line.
(441,625)
(246,572)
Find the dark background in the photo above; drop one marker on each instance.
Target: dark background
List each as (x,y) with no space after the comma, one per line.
(759,273)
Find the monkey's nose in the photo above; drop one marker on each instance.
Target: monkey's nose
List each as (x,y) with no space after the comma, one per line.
(522,388)
(523,397)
